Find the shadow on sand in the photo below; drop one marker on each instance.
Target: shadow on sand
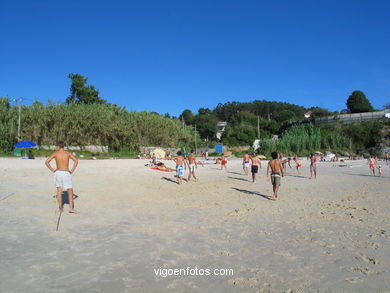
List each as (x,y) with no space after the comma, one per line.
(365,175)
(297,176)
(168,179)
(173,180)
(236,173)
(236,178)
(253,193)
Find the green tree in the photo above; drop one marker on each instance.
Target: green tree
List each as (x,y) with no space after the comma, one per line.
(187,116)
(320,112)
(357,103)
(285,115)
(81,93)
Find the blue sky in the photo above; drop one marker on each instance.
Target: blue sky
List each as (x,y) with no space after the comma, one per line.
(166,56)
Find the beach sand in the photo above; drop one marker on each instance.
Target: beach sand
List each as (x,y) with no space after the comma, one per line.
(326,235)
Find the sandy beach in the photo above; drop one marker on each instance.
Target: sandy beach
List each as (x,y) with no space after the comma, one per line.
(326,235)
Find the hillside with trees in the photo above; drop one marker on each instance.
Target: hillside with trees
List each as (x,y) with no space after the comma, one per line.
(88,119)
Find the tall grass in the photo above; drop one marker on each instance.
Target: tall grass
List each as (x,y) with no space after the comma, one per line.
(95,124)
(306,138)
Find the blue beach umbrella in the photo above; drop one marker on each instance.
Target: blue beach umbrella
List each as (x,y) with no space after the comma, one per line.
(25,144)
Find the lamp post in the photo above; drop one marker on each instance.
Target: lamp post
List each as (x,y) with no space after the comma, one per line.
(195,140)
(20,110)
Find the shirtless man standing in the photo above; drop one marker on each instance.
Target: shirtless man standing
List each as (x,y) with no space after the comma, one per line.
(276,171)
(179,166)
(63,177)
(246,163)
(313,166)
(192,165)
(256,163)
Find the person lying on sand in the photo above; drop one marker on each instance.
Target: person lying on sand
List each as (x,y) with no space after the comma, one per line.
(62,175)
(276,170)
(162,167)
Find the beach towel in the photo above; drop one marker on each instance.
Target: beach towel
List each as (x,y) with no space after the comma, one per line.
(167,170)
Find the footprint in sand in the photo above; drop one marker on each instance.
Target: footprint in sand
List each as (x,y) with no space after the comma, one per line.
(354,280)
(225,253)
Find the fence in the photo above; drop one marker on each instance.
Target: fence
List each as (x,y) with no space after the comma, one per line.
(352,118)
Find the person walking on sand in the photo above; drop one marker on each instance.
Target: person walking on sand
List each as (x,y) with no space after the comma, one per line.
(179,166)
(256,163)
(62,175)
(191,161)
(298,165)
(246,163)
(274,171)
(371,162)
(223,162)
(313,166)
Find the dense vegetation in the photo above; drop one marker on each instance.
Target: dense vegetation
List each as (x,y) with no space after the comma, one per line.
(303,139)
(87,119)
(94,124)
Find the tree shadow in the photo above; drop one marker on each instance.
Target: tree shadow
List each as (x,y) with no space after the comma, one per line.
(253,193)
(240,179)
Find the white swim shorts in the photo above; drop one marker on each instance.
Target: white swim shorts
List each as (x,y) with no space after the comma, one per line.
(63,179)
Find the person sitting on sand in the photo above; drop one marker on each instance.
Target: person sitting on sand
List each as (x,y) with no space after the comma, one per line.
(180,165)
(31,155)
(62,175)
(298,165)
(223,162)
(191,161)
(256,163)
(246,163)
(274,171)
(371,162)
(154,160)
(313,166)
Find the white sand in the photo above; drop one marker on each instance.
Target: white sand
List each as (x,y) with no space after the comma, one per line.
(325,235)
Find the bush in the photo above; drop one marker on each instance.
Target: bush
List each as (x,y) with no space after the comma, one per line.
(94,124)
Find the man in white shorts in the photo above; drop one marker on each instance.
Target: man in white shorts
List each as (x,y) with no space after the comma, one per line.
(191,161)
(62,175)
(246,163)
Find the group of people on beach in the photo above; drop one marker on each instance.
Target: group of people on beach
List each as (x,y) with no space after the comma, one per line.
(374,163)
(276,168)
(182,163)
